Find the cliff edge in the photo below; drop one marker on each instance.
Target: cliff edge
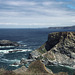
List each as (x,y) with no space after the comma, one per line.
(59,49)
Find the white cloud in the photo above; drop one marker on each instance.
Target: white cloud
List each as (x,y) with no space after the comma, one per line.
(20,3)
(42,24)
(51,3)
(73,20)
(35,13)
(28,8)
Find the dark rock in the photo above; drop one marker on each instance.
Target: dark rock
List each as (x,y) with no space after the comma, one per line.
(15,63)
(59,49)
(67,27)
(14,51)
(23,61)
(62,45)
(8,43)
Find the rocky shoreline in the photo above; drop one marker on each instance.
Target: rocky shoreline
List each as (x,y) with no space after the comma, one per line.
(59,49)
(8,44)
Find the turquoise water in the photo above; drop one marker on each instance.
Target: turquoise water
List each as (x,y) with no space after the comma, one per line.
(57,69)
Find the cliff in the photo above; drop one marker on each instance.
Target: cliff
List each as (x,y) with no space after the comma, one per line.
(67,27)
(59,49)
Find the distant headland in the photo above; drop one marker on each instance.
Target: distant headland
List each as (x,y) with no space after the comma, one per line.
(65,27)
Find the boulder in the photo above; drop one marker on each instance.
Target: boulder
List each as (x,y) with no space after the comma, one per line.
(23,61)
(34,55)
(8,43)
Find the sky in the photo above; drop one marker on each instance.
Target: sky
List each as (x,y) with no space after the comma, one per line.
(36,13)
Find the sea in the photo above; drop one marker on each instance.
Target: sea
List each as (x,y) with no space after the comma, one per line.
(31,39)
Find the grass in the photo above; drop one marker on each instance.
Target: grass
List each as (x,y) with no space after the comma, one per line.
(35,68)
(42,49)
(5,72)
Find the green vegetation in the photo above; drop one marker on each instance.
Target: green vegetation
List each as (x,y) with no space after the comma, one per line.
(37,67)
(5,72)
(42,49)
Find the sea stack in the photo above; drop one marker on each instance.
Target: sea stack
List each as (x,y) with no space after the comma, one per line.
(8,43)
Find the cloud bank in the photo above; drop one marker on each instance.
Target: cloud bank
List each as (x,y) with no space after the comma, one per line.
(36,13)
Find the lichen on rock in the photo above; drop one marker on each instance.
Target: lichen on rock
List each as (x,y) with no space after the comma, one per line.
(59,49)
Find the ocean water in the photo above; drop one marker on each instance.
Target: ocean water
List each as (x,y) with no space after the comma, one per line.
(66,69)
(31,39)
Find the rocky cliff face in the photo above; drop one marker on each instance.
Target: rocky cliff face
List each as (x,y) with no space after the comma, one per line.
(59,49)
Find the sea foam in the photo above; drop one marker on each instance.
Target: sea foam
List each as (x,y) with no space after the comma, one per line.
(14,50)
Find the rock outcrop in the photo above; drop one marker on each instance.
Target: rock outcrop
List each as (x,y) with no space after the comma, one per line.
(36,68)
(59,49)
(8,43)
(20,71)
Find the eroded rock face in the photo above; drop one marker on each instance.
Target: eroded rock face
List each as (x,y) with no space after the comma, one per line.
(63,48)
(34,55)
(57,37)
(59,49)
(23,61)
(8,43)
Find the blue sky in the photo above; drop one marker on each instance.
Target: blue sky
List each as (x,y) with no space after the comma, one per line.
(36,13)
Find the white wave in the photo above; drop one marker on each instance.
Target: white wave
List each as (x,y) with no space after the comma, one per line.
(7,46)
(26,50)
(66,66)
(19,41)
(70,67)
(10,61)
(14,65)
(14,50)
(24,45)
(4,51)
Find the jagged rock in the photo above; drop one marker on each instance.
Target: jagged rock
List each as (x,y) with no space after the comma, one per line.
(21,70)
(59,49)
(23,61)
(14,51)
(15,63)
(34,54)
(8,43)
(64,48)
(36,68)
